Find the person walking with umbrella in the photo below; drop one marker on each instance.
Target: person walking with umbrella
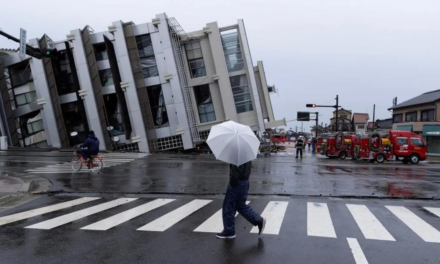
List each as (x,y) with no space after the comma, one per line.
(237,145)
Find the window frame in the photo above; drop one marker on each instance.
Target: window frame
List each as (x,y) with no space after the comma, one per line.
(13,72)
(198,91)
(247,92)
(97,53)
(191,48)
(232,51)
(427,111)
(34,132)
(142,55)
(110,77)
(191,69)
(401,118)
(26,98)
(410,114)
(152,100)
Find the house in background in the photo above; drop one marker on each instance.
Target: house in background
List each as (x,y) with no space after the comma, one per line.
(383,125)
(421,116)
(344,120)
(360,122)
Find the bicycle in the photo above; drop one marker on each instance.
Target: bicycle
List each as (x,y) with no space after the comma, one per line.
(94,162)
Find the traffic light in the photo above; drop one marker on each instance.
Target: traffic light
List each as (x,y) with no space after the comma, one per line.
(311,105)
(48,52)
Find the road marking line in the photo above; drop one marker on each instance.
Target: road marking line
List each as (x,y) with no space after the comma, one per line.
(120,218)
(319,221)
(214,224)
(173,217)
(417,224)
(356,250)
(44,210)
(370,226)
(274,214)
(64,219)
(433,210)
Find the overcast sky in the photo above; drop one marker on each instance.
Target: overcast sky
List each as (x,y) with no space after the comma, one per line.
(366,51)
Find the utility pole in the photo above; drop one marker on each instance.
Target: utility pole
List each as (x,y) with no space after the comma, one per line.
(337,107)
(316,126)
(374,115)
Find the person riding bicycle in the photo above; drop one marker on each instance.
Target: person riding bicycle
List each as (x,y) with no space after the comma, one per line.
(92,145)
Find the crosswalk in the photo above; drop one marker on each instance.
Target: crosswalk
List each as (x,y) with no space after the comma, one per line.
(109,160)
(319,219)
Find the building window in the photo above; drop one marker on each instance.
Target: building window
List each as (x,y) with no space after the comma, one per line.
(411,117)
(197,68)
(158,107)
(428,115)
(397,118)
(26,98)
(113,114)
(100,52)
(66,82)
(106,77)
(35,127)
(242,94)
(361,126)
(20,74)
(232,50)
(204,103)
(195,59)
(74,123)
(146,55)
(193,50)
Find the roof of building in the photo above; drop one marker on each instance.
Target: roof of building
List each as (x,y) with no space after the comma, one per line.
(4,52)
(425,98)
(360,118)
(384,123)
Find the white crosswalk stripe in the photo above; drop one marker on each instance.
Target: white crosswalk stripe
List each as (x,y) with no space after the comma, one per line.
(44,210)
(109,160)
(64,219)
(120,218)
(214,224)
(420,227)
(368,223)
(168,220)
(319,221)
(274,214)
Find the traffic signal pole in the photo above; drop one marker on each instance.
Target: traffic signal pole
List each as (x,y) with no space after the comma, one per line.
(332,106)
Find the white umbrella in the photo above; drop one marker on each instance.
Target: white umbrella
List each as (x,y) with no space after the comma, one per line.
(233,143)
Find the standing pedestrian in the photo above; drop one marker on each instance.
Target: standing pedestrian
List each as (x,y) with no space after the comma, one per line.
(299,147)
(235,200)
(314,144)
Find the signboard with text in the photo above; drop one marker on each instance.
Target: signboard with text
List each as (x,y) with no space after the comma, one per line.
(22,49)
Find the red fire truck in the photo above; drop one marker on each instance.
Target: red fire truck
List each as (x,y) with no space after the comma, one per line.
(338,145)
(405,146)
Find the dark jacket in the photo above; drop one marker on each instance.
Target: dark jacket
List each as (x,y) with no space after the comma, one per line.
(239,173)
(92,144)
(299,144)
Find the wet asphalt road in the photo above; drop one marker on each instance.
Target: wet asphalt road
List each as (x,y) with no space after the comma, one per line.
(312,229)
(294,243)
(202,174)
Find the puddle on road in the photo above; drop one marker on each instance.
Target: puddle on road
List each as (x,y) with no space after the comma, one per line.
(169,165)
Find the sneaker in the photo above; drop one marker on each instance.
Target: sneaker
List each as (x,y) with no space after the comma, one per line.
(223,235)
(261,226)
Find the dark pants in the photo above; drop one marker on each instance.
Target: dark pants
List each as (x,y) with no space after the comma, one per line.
(235,200)
(300,151)
(85,153)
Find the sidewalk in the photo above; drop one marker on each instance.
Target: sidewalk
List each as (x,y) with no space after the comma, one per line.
(12,183)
